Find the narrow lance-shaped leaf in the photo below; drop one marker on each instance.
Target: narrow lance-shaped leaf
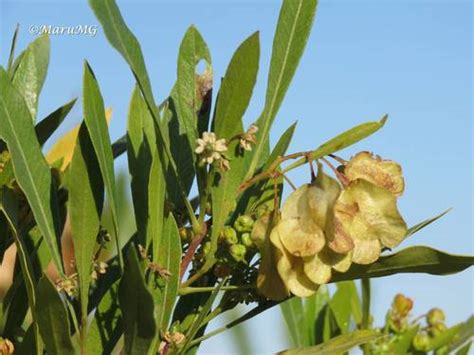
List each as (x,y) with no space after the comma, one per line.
(124,41)
(234,97)
(136,303)
(31,72)
(416,259)
(345,304)
(53,320)
(193,49)
(31,170)
(156,205)
(294,316)
(94,117)
(47,126)
(419,226)
(342,141)
(337,345)
(86,198)
(140,150)
(12,48)
(169,257)
(292,32)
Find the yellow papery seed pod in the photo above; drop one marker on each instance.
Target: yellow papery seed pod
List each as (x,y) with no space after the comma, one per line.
(369,214)
(383,173)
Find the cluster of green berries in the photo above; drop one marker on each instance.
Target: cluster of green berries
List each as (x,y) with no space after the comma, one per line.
(435,326)
(236,239)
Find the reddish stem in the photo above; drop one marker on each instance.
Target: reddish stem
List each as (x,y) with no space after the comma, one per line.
(195,242)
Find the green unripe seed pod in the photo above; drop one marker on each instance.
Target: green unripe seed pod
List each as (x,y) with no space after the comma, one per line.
(434,316)
(244,224)
(230,235)
(247,240)
(421,341)
(238,252)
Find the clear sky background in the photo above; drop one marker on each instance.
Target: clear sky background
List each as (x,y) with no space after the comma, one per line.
(410,59)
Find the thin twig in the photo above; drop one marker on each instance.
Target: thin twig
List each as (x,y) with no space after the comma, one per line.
(195,242)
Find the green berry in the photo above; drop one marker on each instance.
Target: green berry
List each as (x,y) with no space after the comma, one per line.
(247,240)
(230,235)
(437,329)
(244,224)
(421,341)
(434,316)
(238,252)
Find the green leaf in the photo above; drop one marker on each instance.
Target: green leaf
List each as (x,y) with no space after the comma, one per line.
(86,199)
(169,257)
(236,88)
(417,227)
(234,96)
(464,350)
(53,320)
(193,49)
(292,32)
(416,259)
(345,304)
(46,127)
(464,333)
(123,40)
(140,150)
(402,343)
(342,141)
(31,170)
(313,308)
(9,207)
(31,72)
(337,345)
(136,303)
(12,48)
(281,146)
(294,316)
(94,117)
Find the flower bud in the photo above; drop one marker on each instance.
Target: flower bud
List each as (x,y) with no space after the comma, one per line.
(238,252)
(244,224)
(421,341)
(437,329)
(186,234)
(435,316)
(402,305)
(230,235)
(247,240)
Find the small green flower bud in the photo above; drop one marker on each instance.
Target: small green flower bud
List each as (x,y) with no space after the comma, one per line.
(238,252)
(434,316)
(186,234)
(230,235)
(402,305)
(261,211)
(247,240)
(244,224)
(437,329)
(421,341)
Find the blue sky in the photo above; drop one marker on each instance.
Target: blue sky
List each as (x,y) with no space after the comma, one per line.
(410,59)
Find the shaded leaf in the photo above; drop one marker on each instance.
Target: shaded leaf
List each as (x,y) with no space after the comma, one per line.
(140,150)
(12,49)
(94,118)
(292,32)
(294,316)
(136,303)
(345,304)
(47,126)
(416,259)
(86,198)
(53,320)
(31,170)
(337,345)
(31,72)
(169,258)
